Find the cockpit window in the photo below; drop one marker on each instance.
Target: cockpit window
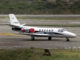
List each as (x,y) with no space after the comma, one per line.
(61,30)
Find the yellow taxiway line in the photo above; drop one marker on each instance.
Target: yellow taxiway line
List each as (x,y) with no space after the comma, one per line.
(8,34)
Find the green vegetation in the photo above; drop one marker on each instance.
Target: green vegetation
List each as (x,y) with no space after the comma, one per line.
(42,18)
(49,18)
(57,25)
(39,7)
(37,54)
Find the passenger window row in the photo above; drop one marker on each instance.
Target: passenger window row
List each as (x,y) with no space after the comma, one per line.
(46,30)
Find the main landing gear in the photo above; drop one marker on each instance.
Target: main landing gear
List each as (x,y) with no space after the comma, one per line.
(67,39)
(49,38)
(32,38)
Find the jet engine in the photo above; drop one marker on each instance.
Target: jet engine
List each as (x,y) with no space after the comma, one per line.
(16,28)
(23,30)
(31,30)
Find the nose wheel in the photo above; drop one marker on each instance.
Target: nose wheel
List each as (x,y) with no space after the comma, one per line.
(67,39)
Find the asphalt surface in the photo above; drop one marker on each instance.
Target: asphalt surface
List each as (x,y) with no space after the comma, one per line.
(43,22)
(10,39)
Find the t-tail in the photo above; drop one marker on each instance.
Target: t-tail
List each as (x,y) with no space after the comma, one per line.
(13,20)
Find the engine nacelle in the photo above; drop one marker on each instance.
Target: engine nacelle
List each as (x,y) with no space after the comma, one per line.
(23,30)
(16,29)
(31,30)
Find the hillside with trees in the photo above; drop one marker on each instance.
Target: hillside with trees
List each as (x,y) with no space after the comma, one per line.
(39,7)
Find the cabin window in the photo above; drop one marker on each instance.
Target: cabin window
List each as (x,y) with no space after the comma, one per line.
(39,30)
(46,30)
(42,30)
(49,30)
(52,30)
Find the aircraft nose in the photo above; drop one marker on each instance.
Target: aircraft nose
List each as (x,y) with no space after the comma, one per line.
(73,35)
(70,34)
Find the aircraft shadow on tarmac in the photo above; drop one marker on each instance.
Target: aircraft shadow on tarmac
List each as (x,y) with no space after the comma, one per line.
(54,40)
(28,39)
(23,39)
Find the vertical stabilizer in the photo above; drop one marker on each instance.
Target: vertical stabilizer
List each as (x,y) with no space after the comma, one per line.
(13,20)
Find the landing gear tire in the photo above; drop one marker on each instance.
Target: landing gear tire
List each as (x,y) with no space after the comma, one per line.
(49,38)
(67,39)
(32,38)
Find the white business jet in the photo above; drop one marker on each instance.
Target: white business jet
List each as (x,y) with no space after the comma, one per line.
(39,31)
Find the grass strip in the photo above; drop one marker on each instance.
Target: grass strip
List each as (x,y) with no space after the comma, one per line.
(57,25)
(51,18)
(37,54)
(43,18)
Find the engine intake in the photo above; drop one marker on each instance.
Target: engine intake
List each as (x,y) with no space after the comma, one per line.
(31,30)
(23,30)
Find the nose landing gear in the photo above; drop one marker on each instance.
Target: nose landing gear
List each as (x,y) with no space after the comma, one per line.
(67,39)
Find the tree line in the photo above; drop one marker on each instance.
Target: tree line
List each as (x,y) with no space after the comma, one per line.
(39,7)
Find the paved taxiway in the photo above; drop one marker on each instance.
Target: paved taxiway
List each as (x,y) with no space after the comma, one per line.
(9,40)
(42,22)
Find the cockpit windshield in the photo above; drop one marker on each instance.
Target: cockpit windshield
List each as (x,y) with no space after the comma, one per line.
(61,30)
